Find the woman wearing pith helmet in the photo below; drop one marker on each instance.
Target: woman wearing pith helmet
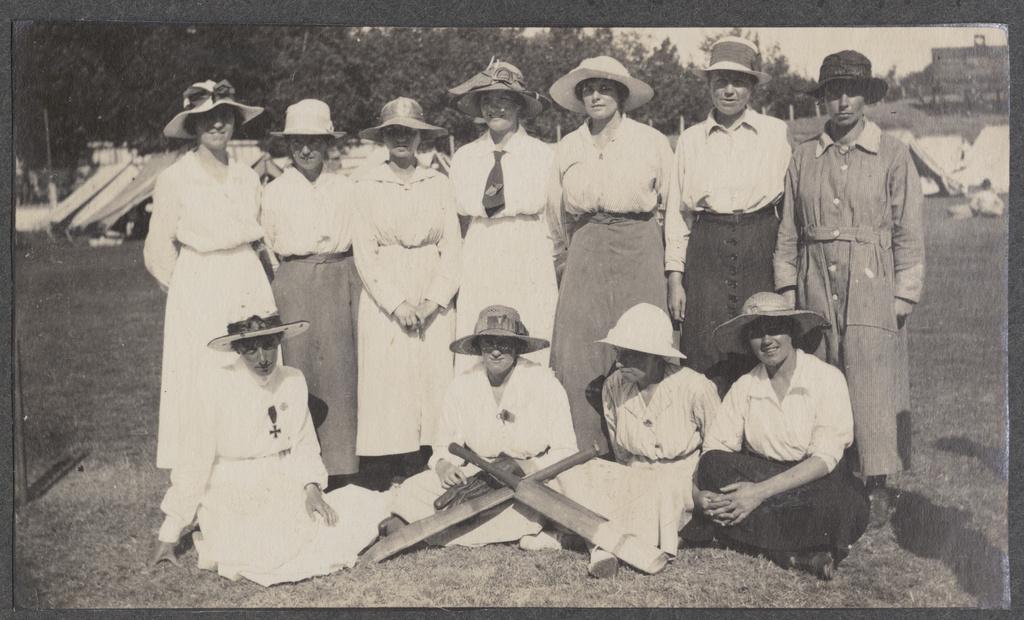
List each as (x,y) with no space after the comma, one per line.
(308,216)
(205,248)
(609,178)
(851,247)
(407,248)
(499,181)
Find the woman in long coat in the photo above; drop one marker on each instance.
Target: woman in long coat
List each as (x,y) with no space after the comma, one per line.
(499,182)
(205,247)
(611,175)
(407,248)
(308,217)
(851,244)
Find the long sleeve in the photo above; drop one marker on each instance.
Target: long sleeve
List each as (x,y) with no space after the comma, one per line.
(908,231)
(559,427)
(365,247)
(833,428)
(445,282)
(726,433)
(786,243)
(705,407)
(306,464)
(449,429)
(611,416)
(555,216)
(161,249)
(677,230)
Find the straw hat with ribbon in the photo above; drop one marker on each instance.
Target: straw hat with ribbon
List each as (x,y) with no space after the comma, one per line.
(563,91)
(309,117)
(202,97)
(728,336)
(500,322)
(736,54)
(498,76)
(405,112)
(645,328)
(850,65)
(263,323)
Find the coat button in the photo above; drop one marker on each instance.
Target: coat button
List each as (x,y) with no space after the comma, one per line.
(843,167)
(835,233)
(835,201)
(648,423)
(835,297)
(832,267)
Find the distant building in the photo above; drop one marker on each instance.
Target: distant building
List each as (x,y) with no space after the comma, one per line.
(978,72)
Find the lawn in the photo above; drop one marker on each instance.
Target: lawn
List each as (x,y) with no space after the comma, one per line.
(89,322)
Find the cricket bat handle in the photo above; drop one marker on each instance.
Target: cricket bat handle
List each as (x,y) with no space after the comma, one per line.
(511,480)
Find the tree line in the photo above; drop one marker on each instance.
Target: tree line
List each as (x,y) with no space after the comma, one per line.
(121,82)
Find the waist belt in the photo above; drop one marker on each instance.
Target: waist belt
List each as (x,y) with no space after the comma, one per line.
(732,218)
(317,258)
(857,234)
(607,217)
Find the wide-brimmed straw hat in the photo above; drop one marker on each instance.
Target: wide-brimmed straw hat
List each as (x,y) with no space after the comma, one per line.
(498,76)
(563,91)
(405,112)
(309,117)
(203,97)
(736,54)
(256,326)
(645,328)
(850,65)
(502,322)
(728,337)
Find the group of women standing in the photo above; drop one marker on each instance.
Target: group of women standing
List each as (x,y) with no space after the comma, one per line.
(568,242)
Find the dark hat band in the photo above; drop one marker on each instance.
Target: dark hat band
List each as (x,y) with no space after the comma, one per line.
(735,52)
(253,324)
(197,95)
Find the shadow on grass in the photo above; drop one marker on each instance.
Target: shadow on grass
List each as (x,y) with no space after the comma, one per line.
(54,475)
(990,457)
(928,530)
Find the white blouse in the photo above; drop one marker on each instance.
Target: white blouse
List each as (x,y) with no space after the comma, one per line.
(303,218)
(814,417)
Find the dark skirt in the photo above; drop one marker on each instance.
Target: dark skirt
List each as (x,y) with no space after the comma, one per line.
(614,263)
(829,513)
(728,259)
(324,290)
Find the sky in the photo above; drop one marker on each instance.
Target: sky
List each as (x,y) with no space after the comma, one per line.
(908,48)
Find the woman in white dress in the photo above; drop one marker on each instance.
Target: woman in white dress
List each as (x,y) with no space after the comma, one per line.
(205,248)
(407,243)
(500,180)
(255,476)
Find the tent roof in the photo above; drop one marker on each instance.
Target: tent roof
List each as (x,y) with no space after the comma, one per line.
(141,188)
(103,176)
(931,172)
(989,158)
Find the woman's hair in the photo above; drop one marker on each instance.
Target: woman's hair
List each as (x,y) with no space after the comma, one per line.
(791,329)
(190,120)
(621,91)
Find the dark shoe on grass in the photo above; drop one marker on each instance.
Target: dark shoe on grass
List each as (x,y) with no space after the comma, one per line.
(603,565)
(818,563)
(883,503)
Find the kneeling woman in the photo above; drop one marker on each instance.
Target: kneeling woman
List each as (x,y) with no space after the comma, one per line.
(772,478)
(504,404)
(255,475)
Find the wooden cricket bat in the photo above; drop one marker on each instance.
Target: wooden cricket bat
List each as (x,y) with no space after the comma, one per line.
(574,517)
(419,531)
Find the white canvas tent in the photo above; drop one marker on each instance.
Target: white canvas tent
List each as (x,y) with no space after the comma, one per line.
(935,179)
(104,214)
(106,181)
(989,158)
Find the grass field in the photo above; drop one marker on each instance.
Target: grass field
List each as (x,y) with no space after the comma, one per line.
(89,322)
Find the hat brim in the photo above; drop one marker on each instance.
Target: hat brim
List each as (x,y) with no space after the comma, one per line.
(176,128)
(563,91)
(876,88)
(293,328)
(285,134)
(428,130)
(728,337)
(725,65)
(664,351)
(467,345)
(469,103)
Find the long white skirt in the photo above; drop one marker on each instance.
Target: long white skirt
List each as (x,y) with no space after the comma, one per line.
(507,261)
(205,294)
(402,376)
(254,524)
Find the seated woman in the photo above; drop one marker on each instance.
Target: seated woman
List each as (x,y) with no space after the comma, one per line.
(772,477)
(255,475)
(658,414)
(504,404)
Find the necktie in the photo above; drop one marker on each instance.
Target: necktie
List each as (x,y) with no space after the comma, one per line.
(494,194)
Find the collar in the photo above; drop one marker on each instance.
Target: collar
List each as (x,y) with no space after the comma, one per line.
(384,174)
(193,160)
(749,118)
(294,176)
(762,384)
(870,139)
(625,125)
(513,142)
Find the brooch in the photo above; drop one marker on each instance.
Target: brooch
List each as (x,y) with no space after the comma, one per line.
(506,416)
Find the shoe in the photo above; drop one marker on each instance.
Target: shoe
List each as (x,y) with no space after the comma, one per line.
(882,506)
(539,542)
(603,565)
(390,525)
(819,564)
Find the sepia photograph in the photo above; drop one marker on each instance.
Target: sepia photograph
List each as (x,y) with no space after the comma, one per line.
(499,317)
